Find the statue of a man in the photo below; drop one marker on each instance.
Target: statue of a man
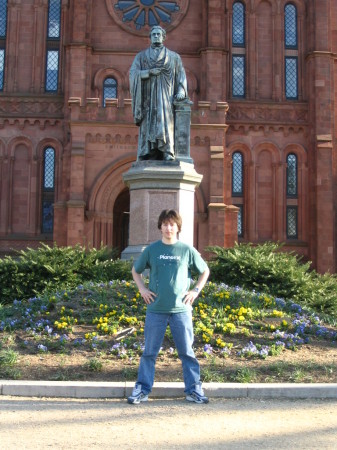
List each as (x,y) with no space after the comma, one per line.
(157,77)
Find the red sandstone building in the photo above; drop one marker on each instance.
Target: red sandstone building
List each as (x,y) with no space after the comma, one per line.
(262,76)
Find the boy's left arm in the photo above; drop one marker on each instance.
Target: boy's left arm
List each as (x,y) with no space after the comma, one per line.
(193,293)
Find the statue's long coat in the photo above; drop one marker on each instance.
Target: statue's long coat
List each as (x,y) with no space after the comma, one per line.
(152,98)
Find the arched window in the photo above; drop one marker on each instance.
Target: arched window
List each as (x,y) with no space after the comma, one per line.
(237,174)
(291,175)
(290,26)
(3,33)
(237,188)
(238,30)
(290,43)
(109,89)
(292,208)
(238,56)
(53,45)
(48,190)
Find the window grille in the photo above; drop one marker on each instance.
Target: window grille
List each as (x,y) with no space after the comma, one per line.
(3,18)
(238,30)
(53,46)
(3,33)
(292,176)
(48,190)
(240,220)
(291,78)
(54,19)
(238,76)
(290,26)
(237,174)
(52,72)
(292,222)
(109,89)
(2,68)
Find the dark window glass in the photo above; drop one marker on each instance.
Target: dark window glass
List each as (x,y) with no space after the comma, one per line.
(238,76)
(237,174)
(47,216)
(291,175)
(52,70)
(48,189)
(109,89)
(291,77)
(240,220)
(2,68)
(238,31)
(54,19)
(292,222)
(3,18)
(290,26)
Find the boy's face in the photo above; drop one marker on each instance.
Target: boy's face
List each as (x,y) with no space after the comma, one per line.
(169,230)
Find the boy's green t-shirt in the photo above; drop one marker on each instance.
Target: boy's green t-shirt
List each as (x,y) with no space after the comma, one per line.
(170,277)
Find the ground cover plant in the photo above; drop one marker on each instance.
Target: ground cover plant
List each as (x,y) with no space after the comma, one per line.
(266,268)
(35,271)
(95,332)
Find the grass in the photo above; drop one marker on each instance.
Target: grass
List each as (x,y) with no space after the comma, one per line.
(95,332)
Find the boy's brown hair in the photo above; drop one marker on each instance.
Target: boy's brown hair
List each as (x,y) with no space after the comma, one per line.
(170,214)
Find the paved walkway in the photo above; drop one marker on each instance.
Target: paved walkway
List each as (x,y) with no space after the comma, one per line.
(233,424)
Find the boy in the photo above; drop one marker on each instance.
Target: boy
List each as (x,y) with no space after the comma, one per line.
(169,299)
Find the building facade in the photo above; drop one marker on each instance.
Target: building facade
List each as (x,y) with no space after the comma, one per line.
(262,75)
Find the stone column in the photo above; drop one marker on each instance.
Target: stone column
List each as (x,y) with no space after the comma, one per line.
(154,186)
(222,218)
(182,130)
(76,203)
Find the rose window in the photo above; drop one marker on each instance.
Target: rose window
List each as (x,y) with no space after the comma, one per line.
(139,16)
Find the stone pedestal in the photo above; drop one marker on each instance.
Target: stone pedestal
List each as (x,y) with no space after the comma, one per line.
(154,186)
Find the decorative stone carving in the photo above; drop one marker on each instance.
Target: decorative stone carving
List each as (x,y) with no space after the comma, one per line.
(138,16)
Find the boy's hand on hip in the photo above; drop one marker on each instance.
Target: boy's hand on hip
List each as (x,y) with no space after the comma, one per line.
(148,296)
(190,297)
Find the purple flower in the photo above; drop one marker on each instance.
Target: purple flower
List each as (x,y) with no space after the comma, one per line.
(208,349)
(42,348)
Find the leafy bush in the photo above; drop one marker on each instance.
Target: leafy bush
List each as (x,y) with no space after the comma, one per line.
(33,272)
(267,269)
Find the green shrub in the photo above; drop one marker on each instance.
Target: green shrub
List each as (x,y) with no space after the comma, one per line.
(33,272)
(267,269)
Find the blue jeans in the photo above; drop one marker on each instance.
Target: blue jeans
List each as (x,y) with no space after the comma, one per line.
(182,332)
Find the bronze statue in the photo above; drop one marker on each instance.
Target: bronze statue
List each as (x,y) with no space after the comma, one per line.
(157,78)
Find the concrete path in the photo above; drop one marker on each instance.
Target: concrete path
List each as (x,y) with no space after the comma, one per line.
(235,424)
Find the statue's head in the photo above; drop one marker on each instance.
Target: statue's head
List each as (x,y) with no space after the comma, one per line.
(157,33)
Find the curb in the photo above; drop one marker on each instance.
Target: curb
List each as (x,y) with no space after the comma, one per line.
(82,389)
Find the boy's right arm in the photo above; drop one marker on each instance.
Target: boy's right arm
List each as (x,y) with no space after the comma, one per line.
(147,295)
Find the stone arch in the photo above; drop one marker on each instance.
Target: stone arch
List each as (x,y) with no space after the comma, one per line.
(272,4)
(240,147)
(268,190)
(16,141)
(302,199)
(298,149)
(267,146)
(22,199)
(300,6)
(106,189)
(101,75)
(192,85)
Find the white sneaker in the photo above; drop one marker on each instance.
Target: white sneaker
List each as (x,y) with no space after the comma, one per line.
(137,395)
